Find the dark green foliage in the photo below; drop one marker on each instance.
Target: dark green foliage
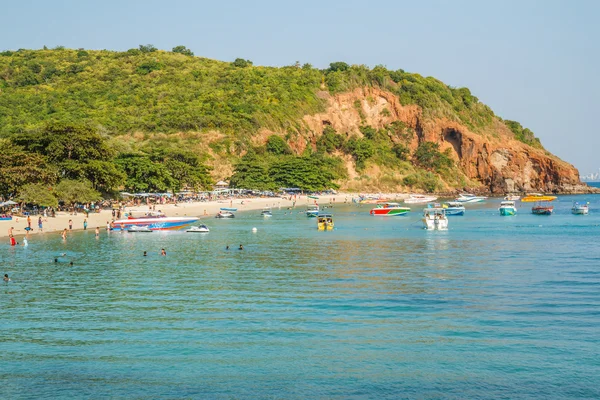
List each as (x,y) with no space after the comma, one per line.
(429,157)
(401,151)
(75,191)
(147,48)
(148,66)
(307,173)
(276,145)
(524,135)
(310,172)
(241,63)
(144,175)
(252,172)
(361,149)
(330,141)
(39,194)
(182,50)
(338,66)
(424,180)
(19,167)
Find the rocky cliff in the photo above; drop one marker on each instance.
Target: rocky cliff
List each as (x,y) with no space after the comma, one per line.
(493,159)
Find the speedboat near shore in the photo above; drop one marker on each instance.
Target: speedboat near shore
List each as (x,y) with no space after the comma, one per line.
(580,208)
(419,199)
(507,208)
(470,198)
(155,221)
(434,218)
(512,197)
(389,209)
(266,213)
(225,214)
(454,208)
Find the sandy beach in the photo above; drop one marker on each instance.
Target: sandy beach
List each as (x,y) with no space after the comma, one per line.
(203,210)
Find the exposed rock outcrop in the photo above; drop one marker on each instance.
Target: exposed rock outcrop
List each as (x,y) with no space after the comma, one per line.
(493,157)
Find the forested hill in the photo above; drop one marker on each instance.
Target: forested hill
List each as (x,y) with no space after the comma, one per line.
(222,118)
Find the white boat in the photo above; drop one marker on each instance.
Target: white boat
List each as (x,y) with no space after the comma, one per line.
(434,218)
(419,199)
(312,211)
(137,228)
(507,208)
(580,208)
(199,229)
(266,213)
(470,198)
(225,214)
(512,197)
(454,208)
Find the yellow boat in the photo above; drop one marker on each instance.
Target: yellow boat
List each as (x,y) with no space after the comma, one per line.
(325,222)
(533,197)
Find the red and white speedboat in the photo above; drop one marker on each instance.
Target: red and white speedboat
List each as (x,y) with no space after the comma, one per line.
(155,221)
(389,209)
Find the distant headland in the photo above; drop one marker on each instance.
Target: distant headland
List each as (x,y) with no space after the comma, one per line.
(153,120)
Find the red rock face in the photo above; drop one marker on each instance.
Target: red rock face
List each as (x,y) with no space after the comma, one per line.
(491,157)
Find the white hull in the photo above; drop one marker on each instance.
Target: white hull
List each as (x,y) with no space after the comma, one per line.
(580,211)
(420,199)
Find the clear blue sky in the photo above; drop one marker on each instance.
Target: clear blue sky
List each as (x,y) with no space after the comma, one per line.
(531,61)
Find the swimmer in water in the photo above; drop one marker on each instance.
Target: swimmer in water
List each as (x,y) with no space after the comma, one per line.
(145,254)
(71,263)
(25,242)
(241,247)
(163,252)
(227,247)
(6,278)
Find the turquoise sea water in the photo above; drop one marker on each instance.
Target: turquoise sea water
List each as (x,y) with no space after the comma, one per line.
(496,307)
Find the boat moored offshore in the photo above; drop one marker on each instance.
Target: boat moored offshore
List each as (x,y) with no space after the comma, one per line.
(507,208)
(454,208)
(580,208)
(389,209)
(419,199)
(434,218)
(542,203)
(470,198)
(312,211)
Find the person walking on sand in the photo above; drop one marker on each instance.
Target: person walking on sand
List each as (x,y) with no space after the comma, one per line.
(40,223)
(10,231)
(85,224)
(70,224)
(29,221)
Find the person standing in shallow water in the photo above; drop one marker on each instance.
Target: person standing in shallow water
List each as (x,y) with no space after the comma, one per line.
(40,224)
(97,231)
(163,252)
(85,224)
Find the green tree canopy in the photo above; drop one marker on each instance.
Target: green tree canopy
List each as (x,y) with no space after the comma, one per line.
(276,145)
(19,167)
(182,50)
(144,175)
(71,191)
(38,194)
